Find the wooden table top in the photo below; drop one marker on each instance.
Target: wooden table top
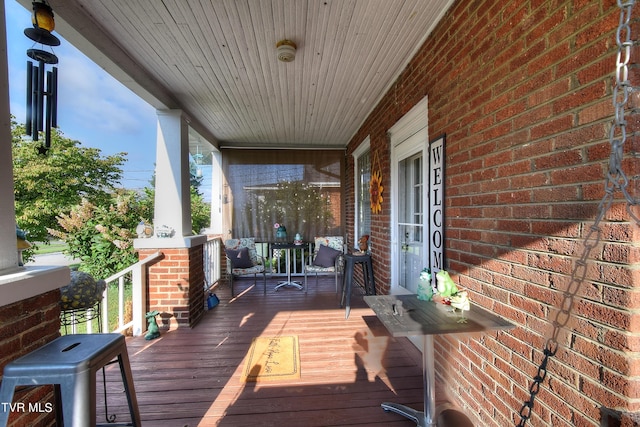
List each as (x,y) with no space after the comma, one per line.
(416,317)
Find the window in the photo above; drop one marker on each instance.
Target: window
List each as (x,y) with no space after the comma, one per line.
(362,166)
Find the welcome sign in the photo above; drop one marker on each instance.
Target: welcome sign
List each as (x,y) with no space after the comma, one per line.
(436,205)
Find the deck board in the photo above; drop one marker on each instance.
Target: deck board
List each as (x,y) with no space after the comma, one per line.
(191,377)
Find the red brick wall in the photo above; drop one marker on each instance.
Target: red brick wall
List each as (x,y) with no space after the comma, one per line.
(25,326)
(176,286)
(522,90)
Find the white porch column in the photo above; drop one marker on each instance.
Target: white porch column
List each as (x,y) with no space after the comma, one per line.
(8,249)
(172,200)
(216,193)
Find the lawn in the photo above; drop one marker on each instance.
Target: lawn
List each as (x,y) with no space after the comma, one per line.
(50,248)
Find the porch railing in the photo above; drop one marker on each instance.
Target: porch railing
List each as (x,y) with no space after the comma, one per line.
(212,254)
(133,277)
(136,276)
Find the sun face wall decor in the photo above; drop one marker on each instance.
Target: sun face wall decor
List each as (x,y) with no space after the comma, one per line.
(375,190)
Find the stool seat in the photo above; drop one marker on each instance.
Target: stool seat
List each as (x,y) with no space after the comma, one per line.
(70,363)
(350,261)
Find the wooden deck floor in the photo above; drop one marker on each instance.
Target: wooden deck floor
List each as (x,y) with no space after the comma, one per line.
(192,377)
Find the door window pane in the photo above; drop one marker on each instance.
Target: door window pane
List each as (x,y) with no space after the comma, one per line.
(410,221)
(363,208)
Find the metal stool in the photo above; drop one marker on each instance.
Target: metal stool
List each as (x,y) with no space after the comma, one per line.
(350,261)
(70,363)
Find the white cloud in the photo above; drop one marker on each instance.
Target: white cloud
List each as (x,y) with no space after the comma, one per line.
(92,97)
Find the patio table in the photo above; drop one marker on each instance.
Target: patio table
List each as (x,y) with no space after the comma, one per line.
(287,247)
(406,315)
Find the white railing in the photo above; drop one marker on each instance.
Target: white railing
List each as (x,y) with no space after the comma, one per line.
(212,253)
(136,276)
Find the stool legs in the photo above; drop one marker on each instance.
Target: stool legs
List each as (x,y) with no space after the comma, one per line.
(346,287)
(6,397)
(127,380)
(370,287)
(83,411)
(347,280)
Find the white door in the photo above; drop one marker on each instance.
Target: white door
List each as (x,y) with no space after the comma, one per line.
(409,199)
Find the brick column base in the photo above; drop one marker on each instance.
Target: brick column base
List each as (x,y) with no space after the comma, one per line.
(176,286)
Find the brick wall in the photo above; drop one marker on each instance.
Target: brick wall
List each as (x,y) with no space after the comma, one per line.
(522,90)
(25,326)
(176,286)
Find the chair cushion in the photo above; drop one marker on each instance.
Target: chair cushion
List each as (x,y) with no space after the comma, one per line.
(326,256)
(239,258)
(335,242)
(318,269)
(255,269)
(245,242)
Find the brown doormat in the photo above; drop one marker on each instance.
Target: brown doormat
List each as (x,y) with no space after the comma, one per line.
(272,358)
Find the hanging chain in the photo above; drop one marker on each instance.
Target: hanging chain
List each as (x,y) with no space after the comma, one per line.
(615,180)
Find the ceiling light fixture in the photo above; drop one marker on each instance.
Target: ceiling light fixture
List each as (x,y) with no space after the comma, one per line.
(286,50)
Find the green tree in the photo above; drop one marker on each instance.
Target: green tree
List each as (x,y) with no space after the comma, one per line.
(200,210)
(101,236)
(48,185)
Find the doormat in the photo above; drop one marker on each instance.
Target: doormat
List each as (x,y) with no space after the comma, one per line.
(272,358)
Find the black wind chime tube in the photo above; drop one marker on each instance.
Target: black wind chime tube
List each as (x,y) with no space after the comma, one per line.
(51,113)
(29,97)
(33,125)
(34,102)
(53,95)
(40,96)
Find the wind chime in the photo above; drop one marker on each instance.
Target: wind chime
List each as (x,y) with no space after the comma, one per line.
(42,84)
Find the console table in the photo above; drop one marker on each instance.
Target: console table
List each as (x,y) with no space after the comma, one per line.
(406,315)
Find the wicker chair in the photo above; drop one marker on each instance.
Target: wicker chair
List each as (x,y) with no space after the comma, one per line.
(325,259)
(243,260)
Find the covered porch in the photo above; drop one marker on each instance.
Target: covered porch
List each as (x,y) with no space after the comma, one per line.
(520,200)
(192,377)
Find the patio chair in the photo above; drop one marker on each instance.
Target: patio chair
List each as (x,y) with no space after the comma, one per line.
(243,260)
(325,259)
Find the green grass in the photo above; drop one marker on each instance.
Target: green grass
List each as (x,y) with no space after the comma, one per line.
(53,247)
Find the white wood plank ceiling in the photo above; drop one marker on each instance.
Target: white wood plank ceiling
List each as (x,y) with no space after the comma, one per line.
(216,60)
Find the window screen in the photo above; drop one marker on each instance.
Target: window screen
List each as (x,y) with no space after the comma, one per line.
(300,189)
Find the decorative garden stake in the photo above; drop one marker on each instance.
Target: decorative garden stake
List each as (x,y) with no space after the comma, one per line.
(153,331)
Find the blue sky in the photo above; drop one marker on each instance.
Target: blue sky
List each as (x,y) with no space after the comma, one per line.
(93,107)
